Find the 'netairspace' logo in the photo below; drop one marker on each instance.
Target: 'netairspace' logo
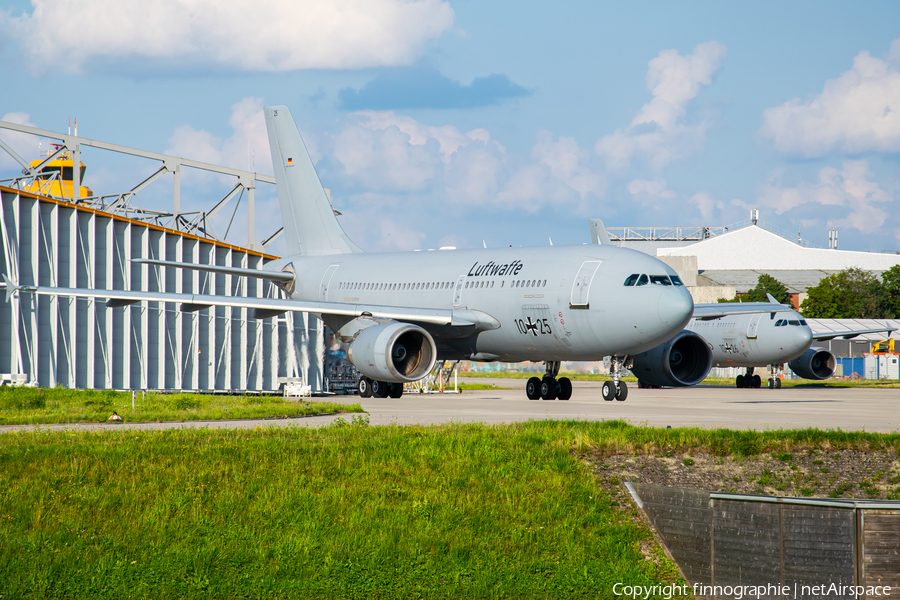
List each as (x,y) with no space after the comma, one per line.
(740,592)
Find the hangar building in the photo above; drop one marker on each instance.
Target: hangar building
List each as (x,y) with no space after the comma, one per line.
(88,242)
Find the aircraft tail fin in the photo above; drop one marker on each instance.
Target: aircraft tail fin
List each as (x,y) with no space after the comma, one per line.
(310,226)
(598,232)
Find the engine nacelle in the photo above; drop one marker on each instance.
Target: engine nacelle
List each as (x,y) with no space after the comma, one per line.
(393,352)
(682,361)
(815,363)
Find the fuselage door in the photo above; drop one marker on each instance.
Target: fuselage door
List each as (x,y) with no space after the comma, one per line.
(582,284)
(457,293)
(326,282)
(753,327)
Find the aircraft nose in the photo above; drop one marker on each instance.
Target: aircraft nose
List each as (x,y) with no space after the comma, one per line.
(675,306)
(803,337)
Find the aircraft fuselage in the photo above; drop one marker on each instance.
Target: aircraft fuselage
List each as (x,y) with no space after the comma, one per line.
(552,304)
(755,340)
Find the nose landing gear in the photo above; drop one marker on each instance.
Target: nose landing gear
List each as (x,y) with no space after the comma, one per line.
(775,380)
(616,388)
(549,387)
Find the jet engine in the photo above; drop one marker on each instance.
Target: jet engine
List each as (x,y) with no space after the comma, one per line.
(393,352)
(815,363)
(682,361)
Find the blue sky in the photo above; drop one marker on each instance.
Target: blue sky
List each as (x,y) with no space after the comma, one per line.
(462,123)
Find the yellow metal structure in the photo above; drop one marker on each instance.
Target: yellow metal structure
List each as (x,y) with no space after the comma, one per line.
(56,178)
(884,347)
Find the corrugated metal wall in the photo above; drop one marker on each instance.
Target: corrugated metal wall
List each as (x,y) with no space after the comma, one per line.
(82,343)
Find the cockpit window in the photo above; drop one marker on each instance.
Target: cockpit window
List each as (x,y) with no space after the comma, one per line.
(780,323)
(643,280)
(676,279)
(632,279)
(660,280)
(797,323)
(803,322)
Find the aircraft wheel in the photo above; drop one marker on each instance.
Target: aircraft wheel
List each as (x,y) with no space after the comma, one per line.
(548,388)
(533,388)
(739,381)
(642,385)
(757,381)
(622,392)
(563,388)
(608,391)
(379,389)
(777,383)
(364,387)
(771,383)
(395,390)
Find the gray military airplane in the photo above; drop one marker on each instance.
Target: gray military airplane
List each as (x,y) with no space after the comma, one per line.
(773,340)
(400,312)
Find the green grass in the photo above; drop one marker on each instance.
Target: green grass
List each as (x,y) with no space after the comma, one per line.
(348,511)
(23,405)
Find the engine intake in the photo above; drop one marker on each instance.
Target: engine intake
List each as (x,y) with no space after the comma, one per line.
(682,361)
(393,352)
(815,363)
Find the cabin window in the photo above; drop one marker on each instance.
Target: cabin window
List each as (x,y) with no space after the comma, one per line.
(503,283)
(660,280)
(643,280)
(676,280)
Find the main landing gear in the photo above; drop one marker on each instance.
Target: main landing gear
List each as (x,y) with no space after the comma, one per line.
(549,387)
(616,389)
(749,380)
(368,388)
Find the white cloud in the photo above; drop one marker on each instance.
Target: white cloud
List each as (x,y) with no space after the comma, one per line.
(657,133)
(386,153)
(279,35)
(657,188)
(247,147)
(851,187)
(568,163)
(706,204)
(25,145)
(857,112)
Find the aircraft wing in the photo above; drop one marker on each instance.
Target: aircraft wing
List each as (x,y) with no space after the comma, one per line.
(830,335)
(263,306)
(723,309)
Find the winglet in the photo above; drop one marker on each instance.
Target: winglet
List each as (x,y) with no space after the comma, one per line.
(772,299)
(598,232)
(11,288)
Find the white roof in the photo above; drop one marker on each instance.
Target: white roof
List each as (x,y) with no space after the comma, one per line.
(754,248)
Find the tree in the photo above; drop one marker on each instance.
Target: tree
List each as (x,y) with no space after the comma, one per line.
(766,284)
(850,294)
(890,282)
